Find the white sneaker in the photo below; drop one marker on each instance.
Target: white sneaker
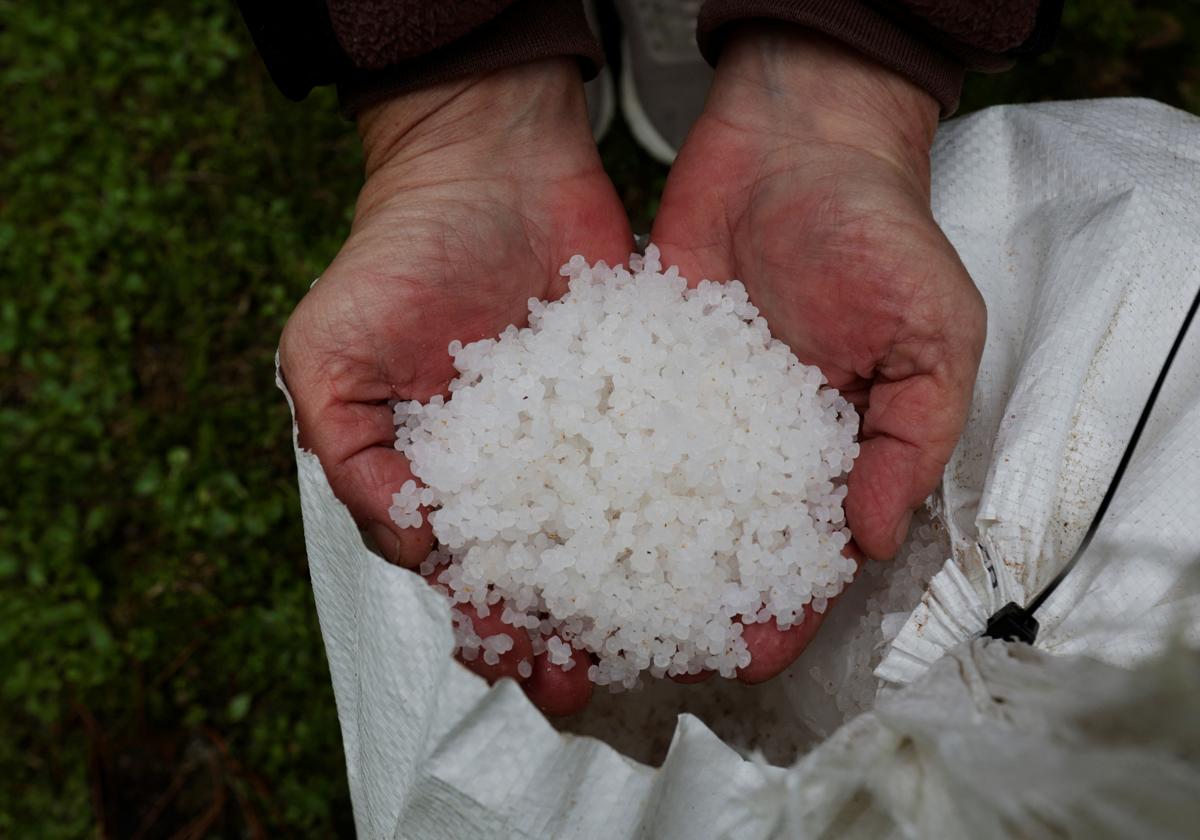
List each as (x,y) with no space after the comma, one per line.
(664,79)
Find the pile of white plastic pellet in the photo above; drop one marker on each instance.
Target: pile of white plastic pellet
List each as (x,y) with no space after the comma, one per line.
(639,473)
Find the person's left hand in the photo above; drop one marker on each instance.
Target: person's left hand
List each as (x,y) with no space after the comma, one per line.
(807,178)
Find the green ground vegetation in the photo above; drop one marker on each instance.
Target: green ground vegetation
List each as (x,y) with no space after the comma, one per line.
(162,209)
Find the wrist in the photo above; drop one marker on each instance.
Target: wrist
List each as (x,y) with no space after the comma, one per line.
(512,111)
(797,85)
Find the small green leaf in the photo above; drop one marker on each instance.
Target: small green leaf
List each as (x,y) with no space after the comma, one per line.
(239,707)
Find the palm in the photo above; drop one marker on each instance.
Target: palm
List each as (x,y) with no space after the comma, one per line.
(421,268)
(840,253)
(429,267)
(843,258)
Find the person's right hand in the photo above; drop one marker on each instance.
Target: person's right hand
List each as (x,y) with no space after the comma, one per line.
(477,191)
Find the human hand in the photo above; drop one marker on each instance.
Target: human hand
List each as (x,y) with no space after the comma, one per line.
(807,178)
(476,192)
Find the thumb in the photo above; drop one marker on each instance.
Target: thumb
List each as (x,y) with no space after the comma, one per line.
(348,425)
(909,432)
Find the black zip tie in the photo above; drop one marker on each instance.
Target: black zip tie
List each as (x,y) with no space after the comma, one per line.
(1015,623)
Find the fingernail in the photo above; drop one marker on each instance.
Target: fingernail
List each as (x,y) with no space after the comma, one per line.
(902,528)
(384,542)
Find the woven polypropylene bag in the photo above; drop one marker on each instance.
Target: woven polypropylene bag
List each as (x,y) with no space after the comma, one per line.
(1079,223)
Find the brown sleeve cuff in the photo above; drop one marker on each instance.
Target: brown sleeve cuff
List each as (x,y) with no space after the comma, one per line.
(853,23)
(525,31)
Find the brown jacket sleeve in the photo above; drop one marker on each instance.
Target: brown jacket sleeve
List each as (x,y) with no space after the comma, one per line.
(374,49)
(931,42)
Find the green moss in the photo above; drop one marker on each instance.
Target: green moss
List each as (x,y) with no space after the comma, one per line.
(161,210)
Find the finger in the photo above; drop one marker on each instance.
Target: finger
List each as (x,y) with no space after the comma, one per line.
(509,663)
(917,409)
(772,650)
(345,419)
(908,434)
(365,482)
(557,692)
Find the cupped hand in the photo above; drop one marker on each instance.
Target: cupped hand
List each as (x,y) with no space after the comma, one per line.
(807,178)
(476,192)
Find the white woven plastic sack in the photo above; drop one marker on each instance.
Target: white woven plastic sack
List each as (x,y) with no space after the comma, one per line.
(1080,222)
(1002,741)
